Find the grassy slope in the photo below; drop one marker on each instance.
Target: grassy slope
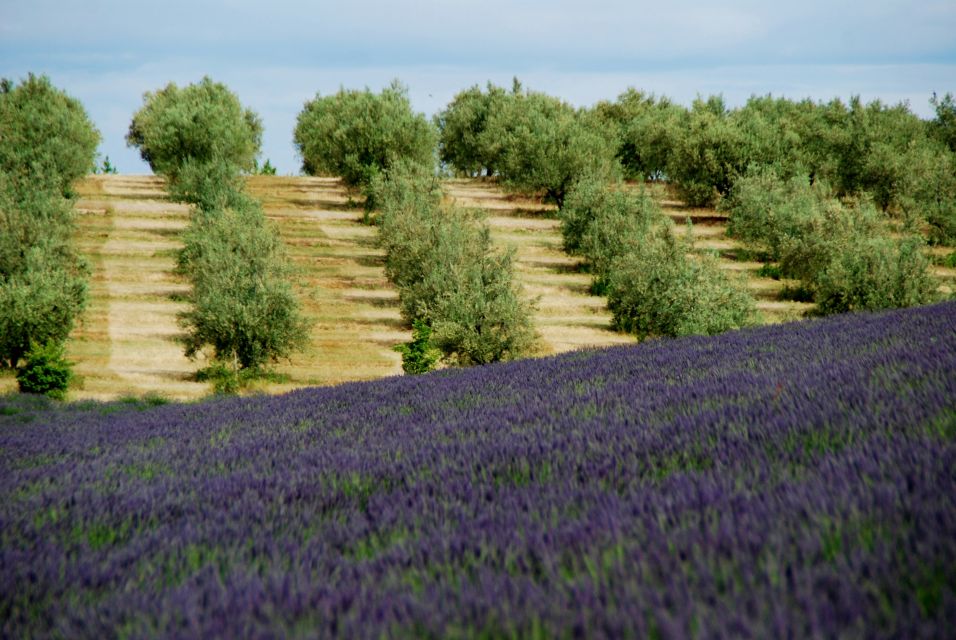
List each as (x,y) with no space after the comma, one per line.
(126,344)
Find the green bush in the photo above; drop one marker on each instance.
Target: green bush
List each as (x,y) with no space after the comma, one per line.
(943,126)
(707,154)
(875,273)
(929,193)
(418,355)
(543,145)
(602,222)
(461,124)
(42,281)
(448,274)
(657,290)
(46,371)
(211,184)
(358,134)
(201,122)
(765,210)
(242,305)
(47,141)
(478,316)
(843,253)
(646,128)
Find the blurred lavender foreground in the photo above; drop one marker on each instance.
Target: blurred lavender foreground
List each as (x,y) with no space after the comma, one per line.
(786,481)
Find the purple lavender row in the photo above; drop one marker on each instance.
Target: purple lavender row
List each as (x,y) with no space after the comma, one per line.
(794,480)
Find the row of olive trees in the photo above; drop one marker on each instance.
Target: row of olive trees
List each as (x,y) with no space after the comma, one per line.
(46,143)
(906,165)
(242,305)
(455,289)
(534,143)
(654,283)
(844,253)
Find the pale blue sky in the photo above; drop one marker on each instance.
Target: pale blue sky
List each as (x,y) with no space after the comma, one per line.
(276,55)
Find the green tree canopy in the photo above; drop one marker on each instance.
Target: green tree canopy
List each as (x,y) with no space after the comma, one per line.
(359,134)
(46,137)
(461,124)
(200,122)
(544,145)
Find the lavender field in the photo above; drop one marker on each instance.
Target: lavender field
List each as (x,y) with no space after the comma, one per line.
(787,481)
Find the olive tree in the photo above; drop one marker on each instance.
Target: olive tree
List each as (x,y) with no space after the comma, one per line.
(449,275)
(359,134)
(707,153)
(46,137)
(242,304)
(646,128)
(656,289)
(200,122)
(460,127)
(544,145)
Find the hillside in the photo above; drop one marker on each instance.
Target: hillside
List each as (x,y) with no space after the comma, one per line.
(129,231)
(794,480)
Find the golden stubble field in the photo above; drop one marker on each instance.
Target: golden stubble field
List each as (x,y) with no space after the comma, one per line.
(128,230)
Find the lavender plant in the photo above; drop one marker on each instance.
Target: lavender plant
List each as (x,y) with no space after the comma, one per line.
(791,480)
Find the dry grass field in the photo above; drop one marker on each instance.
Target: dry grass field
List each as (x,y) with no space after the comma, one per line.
(126,344)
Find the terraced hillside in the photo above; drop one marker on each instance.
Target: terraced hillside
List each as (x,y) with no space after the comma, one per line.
(129,230)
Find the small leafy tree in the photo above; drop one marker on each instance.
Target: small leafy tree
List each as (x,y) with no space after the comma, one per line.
(418,355)
(543,145)
(359,134)
(874,273)
(211,185)
(472,301)
(243,306)
(448,274)
(461,125)
(201,122)
(47,140)
(42,281)
(602,222)
(707,154)
(943,126)
(657,290)
(46,371)
(646,128)
(765,210)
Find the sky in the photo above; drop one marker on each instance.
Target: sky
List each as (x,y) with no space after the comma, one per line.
(276,55)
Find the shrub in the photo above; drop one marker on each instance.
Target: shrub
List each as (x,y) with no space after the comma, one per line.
(46,138)
(929,193)
(707,153)
(602,222)
(656,290)
(646,128)
(479,316)
(211,185)
(42,281)
(874,273)
(243,307)
(410,212)
(843,254)
(358,134)
(543,145)
(201,122)
(448,274)
(461,125)
(943,126)
(418,355)
(46,371)
(765,209)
